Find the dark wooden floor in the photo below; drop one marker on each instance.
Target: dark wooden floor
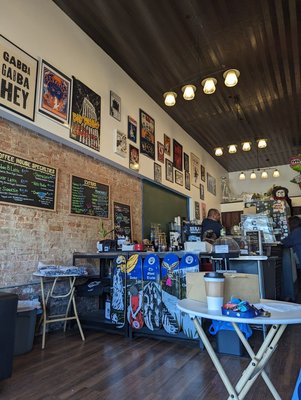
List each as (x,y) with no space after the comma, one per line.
(113,367)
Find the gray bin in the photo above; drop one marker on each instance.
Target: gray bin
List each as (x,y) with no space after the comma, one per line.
(25,329)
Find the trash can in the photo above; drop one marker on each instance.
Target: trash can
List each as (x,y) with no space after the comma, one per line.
(8,314)
(25,329)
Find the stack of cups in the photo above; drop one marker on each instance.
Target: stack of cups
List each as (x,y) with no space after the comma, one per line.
(214,285)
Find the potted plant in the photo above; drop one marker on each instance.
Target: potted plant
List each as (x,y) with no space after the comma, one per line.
(102,234)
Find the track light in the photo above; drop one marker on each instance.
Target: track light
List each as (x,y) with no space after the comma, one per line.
(253,175)
(262,143)
(246,146)
(170,98)
(242,176)
(218,151)
(232,148)
(209,85)
(231,77)
(264,175)
(276,174)
(188,92)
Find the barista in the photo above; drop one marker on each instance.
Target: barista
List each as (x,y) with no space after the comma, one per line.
(211,226)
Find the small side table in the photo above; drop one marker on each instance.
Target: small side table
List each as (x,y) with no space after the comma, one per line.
(48,319)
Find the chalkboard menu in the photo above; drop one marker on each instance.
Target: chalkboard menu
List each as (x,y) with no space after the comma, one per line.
(27,183)
(122,220)
(89,197)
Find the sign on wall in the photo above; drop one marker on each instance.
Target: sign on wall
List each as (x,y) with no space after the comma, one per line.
(18,79)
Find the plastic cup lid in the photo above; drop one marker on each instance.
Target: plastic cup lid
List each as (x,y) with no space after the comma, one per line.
(214,275)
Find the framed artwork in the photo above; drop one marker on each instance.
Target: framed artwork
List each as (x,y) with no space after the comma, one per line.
(179,177)
(196,210)
(167,145)
(187,180)
(211,184)
(160,151)
(55,93)
(177,155)
(115,106)
(195,170)
(168,170)
(147,135)
(120,143)
(157,173)
(85,115)
(186,162)
(202,192)
(18,75)
(203,174)
(134,158)
(203,208)
(132,129)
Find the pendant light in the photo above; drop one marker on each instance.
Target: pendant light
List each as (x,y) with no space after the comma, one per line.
(264,175)
(276,174)
(232,148)
(242,176)
(262,143)
(218,151)
(209,85)
(246,146)
(170,98)
(188,92)
(231,77)
(253,175)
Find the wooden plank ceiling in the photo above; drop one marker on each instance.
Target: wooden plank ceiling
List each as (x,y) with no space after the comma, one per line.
(165,44)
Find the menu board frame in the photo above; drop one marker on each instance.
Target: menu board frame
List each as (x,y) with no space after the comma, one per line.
(83,214)
(32,165)
(127,207)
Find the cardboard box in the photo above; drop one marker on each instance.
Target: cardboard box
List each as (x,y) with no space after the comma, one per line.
(249,210)
(242,286)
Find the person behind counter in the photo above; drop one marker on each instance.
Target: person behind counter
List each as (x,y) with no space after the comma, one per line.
(211,226)
(294,238)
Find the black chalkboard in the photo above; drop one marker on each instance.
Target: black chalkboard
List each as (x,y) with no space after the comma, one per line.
(89,198)
(122,220)
(27,183)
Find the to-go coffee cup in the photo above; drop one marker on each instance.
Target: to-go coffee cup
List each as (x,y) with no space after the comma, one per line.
(214,285)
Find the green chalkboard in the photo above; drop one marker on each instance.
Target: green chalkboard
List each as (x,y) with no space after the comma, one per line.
(122,220)
(89,198)
(27,183)
(160,206)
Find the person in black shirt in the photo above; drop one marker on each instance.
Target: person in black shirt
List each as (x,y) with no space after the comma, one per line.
(211,226)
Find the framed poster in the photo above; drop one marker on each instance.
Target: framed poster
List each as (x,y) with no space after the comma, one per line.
(202,192)
(157,173)
(179,177)
(211,184)
(160,152)
(203,174)
(85,116)
(167,145)
(132,129)
(187,180)
(134,158)
(55,93)
(120,143)
(18,77)
(147,135)
(195,170)
(177,155)
(122,220)
(196,210)
(168,170)
(115,106)
(204,212)
(186,162)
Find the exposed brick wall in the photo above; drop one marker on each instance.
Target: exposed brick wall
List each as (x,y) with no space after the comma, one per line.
(29,235)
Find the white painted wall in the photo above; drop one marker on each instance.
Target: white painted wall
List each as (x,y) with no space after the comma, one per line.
(40,28)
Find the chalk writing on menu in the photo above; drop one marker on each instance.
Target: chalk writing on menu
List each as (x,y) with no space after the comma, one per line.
(27,183)
(122,220)
(89,198)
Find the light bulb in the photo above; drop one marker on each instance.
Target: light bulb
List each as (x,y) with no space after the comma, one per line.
(209,85)
(262,143)
(264,175)
(218,151)
(232,148)
(253,175)
(246,146)
(276,174)
(242,176)
(231,77)
(188,92)
(170,98)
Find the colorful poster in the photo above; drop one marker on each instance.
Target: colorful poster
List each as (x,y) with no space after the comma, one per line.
(55,91)
(85,116)
(18,79)
(147,135)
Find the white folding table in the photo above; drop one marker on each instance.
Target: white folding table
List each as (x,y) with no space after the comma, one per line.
(290,314)
(48,319)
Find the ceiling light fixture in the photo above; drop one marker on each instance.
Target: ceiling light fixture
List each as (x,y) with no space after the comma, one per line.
(170,98)
(231,77)
(232,148)
(218,151)
(246,146)
(262,143)
(188,92)
(276,174)
(264,175)
(209,85)
(242,176)
(253,175)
